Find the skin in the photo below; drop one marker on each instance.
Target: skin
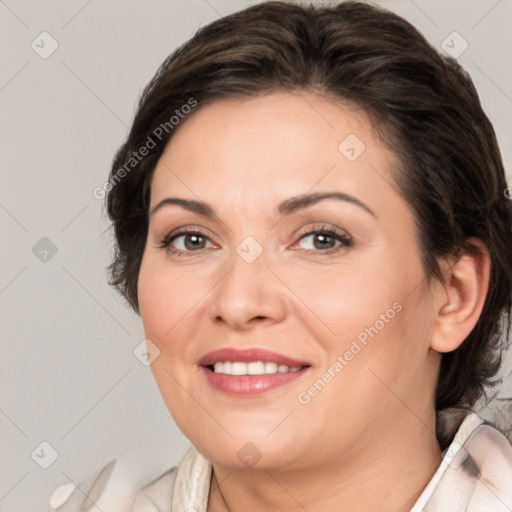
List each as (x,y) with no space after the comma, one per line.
(366,441)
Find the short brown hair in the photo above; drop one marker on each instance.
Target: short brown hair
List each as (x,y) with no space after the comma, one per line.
(423,105)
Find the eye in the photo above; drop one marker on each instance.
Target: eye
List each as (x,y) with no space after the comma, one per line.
(324,240)
(185,241)
(321,240)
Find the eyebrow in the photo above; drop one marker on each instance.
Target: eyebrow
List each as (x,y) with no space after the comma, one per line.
(287,207)
(299,202)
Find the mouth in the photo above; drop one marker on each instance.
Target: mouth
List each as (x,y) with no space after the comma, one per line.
(250,371)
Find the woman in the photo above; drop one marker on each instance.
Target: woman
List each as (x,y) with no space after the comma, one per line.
(311,219)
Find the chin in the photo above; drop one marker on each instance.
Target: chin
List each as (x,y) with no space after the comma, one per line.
(254,451)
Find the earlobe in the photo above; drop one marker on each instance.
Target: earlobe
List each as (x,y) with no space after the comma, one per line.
(461,298)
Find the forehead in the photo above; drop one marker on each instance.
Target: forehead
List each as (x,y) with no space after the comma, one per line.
(279,144)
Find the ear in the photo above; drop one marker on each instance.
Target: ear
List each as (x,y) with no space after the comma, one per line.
(460,300)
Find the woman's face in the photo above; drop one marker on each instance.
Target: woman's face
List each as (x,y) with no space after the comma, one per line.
(334,283)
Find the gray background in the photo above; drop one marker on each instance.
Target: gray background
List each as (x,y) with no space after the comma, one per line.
(69,375)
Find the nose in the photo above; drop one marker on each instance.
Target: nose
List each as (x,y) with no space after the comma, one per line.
(248,294)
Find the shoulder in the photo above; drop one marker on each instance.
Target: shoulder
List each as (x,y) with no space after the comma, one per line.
(118,487)
(476,472)
(488,454)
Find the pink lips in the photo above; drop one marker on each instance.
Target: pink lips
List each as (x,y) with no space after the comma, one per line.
(249,384)
(248,355)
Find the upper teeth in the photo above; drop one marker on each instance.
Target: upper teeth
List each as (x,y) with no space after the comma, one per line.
(252,368)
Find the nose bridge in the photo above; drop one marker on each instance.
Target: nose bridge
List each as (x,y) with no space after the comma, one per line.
(248,290)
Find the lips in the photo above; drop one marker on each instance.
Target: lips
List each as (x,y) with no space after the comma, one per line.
(249,355)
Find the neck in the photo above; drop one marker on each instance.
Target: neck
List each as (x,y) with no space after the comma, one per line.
(387,476)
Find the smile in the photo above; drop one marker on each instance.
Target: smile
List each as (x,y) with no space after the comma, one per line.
(252,368)
(245,383)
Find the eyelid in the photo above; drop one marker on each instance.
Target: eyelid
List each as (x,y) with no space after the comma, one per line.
(166,241)
(341,235)
(322,227)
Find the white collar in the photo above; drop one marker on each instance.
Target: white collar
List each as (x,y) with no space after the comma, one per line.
(192,485)
(469,424)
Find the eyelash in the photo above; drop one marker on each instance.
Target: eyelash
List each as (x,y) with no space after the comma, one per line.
(344,239)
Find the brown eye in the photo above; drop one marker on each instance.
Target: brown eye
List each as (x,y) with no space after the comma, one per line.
(193,242)
(324,240)
(185,241)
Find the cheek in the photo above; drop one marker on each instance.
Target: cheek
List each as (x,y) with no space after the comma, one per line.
(154,303)
(167,303)
(167,297)
(338,301)
(374,311)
